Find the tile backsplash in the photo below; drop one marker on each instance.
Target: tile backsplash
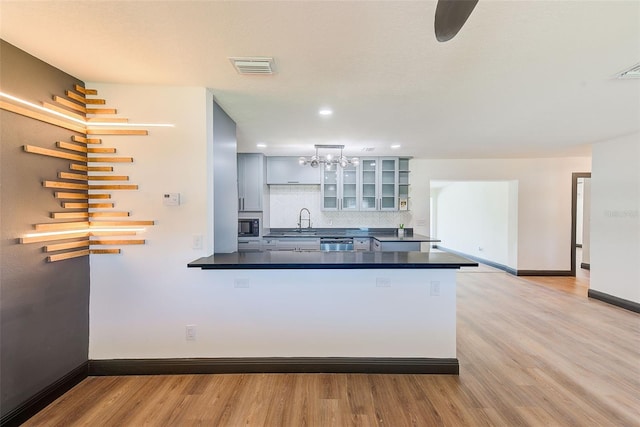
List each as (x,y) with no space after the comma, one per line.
(285,202)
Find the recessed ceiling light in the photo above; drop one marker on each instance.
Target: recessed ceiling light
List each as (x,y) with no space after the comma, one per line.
(325,112)
(261,145)
(394,146)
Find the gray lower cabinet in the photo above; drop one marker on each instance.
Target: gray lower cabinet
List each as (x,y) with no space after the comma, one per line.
(291,244)
(399,246)
(249,245)
(362,243)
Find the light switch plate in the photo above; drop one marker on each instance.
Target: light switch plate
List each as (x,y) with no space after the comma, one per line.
(171,199)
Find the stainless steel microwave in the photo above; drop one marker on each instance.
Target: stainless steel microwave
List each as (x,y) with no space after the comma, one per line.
(248,227)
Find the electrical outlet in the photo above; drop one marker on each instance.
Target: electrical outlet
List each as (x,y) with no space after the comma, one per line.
(190,332)
(196,241)
(383,282)
(241,283)
(434,290)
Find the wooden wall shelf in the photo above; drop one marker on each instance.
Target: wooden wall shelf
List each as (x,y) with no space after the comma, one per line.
(84,140)
(110,159)
(117,242)
(58,226)
(53,153)
(67,255)
(84,90)
(40,239)
(64,246)
(117,132)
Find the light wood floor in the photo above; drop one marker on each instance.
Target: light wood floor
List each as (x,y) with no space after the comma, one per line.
(530,355)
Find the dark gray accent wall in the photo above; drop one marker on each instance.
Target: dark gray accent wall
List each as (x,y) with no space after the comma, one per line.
(44,307)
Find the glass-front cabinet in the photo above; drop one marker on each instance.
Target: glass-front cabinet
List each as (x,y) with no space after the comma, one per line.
(379,178)
(377,184)
(339,188)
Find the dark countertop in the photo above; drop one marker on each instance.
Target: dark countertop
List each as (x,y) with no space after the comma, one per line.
(269,260)
(380,234)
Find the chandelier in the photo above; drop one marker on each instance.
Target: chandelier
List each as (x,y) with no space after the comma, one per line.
(329,159)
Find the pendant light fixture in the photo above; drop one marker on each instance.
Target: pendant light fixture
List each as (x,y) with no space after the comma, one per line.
(328,160)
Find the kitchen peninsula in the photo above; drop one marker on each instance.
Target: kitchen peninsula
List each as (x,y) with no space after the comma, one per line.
(315,311)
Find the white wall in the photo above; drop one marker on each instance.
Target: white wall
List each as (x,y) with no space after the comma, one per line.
(615,219)
(142,299)
(473,218)
(544,201)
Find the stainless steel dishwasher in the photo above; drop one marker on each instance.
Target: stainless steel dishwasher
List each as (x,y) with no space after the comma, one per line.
(333,244)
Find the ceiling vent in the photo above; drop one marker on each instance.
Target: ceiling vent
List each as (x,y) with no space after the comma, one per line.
(368,149)
(631,73)
(253,65)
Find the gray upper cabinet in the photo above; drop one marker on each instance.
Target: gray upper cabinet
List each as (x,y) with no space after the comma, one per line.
(287,170)
(250,182)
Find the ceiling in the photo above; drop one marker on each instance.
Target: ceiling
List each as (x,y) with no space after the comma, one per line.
(521,79)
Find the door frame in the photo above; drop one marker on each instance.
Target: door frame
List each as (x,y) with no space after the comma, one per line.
(574,214)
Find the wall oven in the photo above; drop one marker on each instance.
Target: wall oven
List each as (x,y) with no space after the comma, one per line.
(248,227)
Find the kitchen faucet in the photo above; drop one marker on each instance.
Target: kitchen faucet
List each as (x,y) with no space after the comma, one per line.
(300,219)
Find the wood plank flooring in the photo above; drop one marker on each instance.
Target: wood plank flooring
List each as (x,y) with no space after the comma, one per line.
(530,355)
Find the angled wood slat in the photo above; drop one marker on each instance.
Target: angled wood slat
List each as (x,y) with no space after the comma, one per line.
(85,168)
(53,153)
(69,215)
(110,159)
(107,120)
(61,226)
(117,242)
(84,140)
(108,178)
(74,176)
(119,223)
(104,251)
(75,96)
(76,205)
(95,101)
(80,196)
(70,104)
(42,117)
(63,246)
(50,238)
(64,111)
(113,233)
(114,187)
(108,214)
(67,255)
(72,147)
(102,111)
(77,167)
(85,90)
(65,185)
(101,150)
(117,132)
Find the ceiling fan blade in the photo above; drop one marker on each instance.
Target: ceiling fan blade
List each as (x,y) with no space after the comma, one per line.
(451,16)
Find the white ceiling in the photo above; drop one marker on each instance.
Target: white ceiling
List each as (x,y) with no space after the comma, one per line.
(522,78)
